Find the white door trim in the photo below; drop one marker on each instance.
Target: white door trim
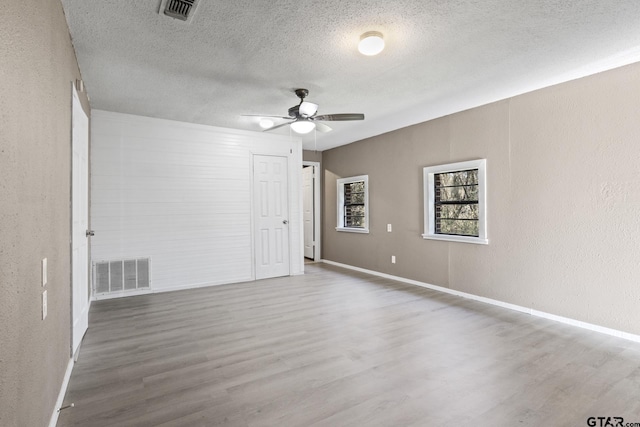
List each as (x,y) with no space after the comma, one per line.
(316,205)
(308,212)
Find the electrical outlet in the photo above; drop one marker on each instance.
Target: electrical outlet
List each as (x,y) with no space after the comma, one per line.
(389,228)
(44,271)
(44,305)
(393,259)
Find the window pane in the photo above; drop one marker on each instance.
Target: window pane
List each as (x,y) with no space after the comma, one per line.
(454,194)
(459,227)
(469,177)
(457,212)
(354,221)
(357,210)
(354,193)
(452,216)
(355,198)
(356,187)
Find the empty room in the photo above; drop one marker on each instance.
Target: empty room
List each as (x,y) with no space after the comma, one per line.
(371,213)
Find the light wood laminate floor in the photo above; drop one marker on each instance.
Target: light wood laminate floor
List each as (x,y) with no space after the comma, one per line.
(341,348)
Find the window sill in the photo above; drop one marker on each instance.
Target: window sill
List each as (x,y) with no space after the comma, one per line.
(353,230)
(459,239)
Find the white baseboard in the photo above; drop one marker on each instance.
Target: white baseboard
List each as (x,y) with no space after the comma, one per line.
(63,390)
(542,314)
(115,295)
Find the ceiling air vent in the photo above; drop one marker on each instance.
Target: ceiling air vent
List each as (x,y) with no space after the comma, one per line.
(179,9)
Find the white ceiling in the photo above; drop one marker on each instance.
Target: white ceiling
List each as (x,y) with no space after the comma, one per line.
(246,56)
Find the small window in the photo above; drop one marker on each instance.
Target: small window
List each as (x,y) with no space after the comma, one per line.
(353,204)
(455,202)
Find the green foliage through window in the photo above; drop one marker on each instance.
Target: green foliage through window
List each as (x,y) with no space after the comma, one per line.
(456,203)
(354,209)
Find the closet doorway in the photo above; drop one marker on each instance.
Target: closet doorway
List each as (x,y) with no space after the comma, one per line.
(311,210)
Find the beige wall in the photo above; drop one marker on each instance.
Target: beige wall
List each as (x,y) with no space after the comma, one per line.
(37,66)
(563,200)
(312,156)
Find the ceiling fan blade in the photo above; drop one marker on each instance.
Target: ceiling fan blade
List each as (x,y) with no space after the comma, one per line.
(307,109)
(265,116)
(340,117)
(279,126)
(321,127)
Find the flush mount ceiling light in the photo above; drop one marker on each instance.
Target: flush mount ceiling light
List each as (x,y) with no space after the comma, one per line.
(266,123)
(371,43)
(303,126)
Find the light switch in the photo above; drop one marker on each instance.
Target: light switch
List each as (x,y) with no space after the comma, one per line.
(393,259)
(389,228)
(44,271)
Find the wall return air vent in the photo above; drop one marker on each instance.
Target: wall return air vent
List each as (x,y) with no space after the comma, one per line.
(179,9)
(118,276)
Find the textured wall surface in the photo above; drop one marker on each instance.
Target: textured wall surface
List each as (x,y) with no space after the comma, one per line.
(563,196)
(37,69)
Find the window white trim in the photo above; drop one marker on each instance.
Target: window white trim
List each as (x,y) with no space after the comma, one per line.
(353,229)
(429,206)
(341,182)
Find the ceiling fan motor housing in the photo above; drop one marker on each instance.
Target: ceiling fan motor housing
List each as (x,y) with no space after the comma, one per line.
(294,111)
(301,93)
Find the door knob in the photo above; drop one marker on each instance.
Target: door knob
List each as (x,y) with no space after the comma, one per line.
(90,233)
(284,221)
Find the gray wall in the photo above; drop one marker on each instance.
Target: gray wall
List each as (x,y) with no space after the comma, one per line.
(563,200)
(37,67)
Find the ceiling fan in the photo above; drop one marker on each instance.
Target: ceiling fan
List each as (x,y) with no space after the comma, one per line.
(303,117)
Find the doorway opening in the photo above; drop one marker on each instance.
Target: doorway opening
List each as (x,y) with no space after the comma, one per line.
(311,210)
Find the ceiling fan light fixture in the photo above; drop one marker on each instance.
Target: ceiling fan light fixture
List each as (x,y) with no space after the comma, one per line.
(266,123)
(303,126)
(371,43)
(307,109)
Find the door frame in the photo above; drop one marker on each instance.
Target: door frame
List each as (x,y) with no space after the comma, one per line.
(293,190)
(317,229)
(75,96)
(273,145)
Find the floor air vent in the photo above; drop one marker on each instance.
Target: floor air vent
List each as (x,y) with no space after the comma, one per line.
(179,9)
(121,275)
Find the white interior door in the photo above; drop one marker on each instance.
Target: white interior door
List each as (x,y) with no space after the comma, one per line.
(308,211)
(271,211)
(80,219)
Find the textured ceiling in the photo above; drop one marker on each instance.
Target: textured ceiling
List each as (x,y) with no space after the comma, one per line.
(246,56)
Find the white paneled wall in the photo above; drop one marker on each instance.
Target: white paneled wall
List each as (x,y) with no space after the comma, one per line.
(182,194)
